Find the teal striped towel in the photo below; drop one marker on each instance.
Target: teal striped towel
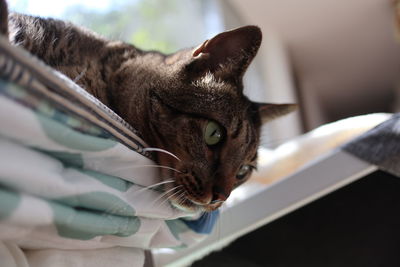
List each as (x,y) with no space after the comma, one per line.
(77,185)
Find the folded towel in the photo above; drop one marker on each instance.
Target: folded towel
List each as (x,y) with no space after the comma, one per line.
(76,182)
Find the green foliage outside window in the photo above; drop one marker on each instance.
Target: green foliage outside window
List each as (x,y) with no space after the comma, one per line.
(137,22)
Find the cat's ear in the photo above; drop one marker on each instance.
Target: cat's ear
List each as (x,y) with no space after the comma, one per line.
(269,112)
(228,54)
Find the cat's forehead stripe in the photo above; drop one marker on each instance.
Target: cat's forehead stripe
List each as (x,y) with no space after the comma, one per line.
(236,131)
(248,133)
(254,158)
(252,141)
(245,131)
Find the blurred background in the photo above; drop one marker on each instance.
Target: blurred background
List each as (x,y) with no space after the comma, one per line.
(336,58)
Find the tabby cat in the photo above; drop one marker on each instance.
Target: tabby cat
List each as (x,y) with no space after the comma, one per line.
(190,103)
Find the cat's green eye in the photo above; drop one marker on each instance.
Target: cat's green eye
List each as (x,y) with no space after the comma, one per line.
(213,133)
(243,171)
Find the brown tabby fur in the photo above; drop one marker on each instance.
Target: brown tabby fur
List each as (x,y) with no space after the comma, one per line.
(169,99)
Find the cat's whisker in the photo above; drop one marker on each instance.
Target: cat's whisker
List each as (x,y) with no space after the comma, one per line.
(179,191)
(164,194)
(160,197)
(152,149)
(148,166)
(152,186)
(181,194)
(170,196)
(181,198)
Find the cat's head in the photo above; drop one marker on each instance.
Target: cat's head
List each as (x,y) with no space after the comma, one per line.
(198,112)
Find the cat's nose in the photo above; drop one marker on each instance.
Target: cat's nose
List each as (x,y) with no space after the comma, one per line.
(219,195)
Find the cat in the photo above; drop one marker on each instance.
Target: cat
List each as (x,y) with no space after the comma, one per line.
(189,103)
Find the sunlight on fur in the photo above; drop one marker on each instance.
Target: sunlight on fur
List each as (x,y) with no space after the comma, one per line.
(209,81)
(286,159)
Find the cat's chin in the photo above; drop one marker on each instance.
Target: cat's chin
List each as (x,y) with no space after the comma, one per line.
(191,207)
(179,192)
(185,208)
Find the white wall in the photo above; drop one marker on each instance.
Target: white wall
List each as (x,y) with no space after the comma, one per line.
(344,52)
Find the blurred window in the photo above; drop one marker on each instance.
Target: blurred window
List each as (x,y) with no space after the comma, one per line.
(160,25)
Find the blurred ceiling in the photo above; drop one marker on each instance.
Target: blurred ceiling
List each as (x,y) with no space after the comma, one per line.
(344,53)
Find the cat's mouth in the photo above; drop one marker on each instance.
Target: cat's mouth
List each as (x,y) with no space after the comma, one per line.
(180,198)
(188,205)
(187,185)
(186,190)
